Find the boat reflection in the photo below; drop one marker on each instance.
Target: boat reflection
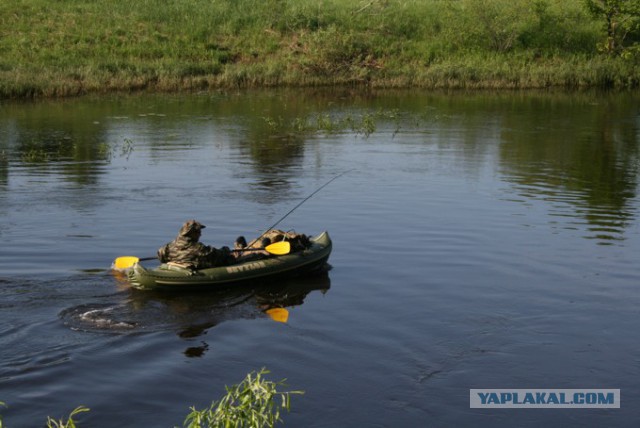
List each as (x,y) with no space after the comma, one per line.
(197,311)
(191,314)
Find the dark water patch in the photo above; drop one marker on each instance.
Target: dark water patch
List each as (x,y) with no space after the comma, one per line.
(94,271)
(36,359)
(197,351)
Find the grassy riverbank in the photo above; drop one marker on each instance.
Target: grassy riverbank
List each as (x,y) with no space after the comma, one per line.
(72,47)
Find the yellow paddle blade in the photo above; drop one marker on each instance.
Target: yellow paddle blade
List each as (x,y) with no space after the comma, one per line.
(125,262)
(278,314)
(279,248)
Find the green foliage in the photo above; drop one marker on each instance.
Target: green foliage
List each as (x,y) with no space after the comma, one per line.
(621,21)
(559,26)
(497,24)
(332,51)
(255,402)
(70,423)
(73,47)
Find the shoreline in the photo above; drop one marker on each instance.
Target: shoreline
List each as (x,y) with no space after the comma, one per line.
(449,77)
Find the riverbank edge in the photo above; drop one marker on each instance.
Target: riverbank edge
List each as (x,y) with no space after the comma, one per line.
(500,73)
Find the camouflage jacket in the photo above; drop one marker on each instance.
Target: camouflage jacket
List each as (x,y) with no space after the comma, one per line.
(194,254)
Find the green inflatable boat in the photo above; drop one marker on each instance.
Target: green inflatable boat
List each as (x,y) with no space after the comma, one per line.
(171,277)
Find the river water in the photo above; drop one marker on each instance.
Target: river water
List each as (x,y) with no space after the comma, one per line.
(480,241)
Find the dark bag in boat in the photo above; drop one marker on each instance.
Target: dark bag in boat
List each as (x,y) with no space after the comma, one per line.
(298,241)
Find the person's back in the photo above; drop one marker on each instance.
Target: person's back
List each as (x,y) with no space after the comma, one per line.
(187,251)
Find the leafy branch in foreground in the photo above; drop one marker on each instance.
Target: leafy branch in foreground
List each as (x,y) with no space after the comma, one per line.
(51,423)
(254,402)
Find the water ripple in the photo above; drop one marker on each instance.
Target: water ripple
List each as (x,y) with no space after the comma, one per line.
(572,210)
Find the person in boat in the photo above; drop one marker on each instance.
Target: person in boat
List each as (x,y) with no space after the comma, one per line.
(187,250)
(240,244)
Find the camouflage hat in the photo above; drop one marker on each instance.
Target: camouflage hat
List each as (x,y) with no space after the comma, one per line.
(191,226)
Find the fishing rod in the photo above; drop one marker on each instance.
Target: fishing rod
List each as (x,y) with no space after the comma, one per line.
(302,202)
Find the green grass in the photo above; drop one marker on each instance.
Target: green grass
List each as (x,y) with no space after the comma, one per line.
(70,422)
(73,47)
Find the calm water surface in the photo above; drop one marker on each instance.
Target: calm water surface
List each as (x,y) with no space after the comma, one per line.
(480,241)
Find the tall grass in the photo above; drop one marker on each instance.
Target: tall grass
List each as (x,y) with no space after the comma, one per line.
(76,46)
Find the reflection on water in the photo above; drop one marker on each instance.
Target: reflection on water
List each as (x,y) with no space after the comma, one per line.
(190,314)
(582,161)
(577,152)
(4,169)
